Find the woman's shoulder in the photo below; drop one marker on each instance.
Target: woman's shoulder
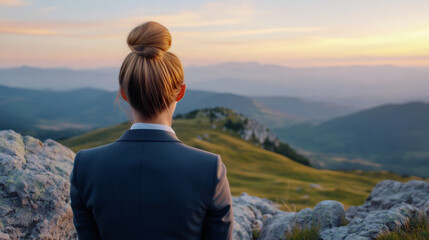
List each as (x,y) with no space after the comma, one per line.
(199,152)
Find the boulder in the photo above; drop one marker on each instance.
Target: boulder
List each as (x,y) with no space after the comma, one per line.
(389,206)
(250,213)
(326,214)
(386,194)
(34,188)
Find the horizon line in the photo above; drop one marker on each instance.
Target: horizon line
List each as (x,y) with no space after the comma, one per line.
(216,64)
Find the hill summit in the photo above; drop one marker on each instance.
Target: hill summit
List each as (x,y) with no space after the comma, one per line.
(248,129)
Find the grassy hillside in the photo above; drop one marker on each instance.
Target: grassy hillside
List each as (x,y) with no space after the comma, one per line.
(394,137)
(256,171)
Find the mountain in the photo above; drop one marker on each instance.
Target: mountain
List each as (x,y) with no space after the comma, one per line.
(304,109)
(248,129)
(359,86)
(52,114)
(393,137)
(59,78)
(60,114)
(256,171)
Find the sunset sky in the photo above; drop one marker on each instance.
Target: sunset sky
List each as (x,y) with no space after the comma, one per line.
(92,34)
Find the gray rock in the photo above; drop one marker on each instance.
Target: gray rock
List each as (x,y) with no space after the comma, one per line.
(304,218)
(250,213)
(390,205)
(34,188)
(328,214)
(378,222)
(386,194)
(315,185)
(277,226)
(335,233)
(244,219)
(356,237)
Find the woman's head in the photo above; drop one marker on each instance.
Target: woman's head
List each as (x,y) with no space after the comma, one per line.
(151,78)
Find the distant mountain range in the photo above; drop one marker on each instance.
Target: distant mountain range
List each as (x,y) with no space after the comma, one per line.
(393,137)
(327,122)
(359,86)
(61,114)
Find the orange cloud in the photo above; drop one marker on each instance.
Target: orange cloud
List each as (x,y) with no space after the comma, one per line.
(13,3)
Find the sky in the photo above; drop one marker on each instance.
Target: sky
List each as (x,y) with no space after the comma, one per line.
(295,33)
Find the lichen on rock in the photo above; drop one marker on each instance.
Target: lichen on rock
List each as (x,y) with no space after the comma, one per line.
(34,188)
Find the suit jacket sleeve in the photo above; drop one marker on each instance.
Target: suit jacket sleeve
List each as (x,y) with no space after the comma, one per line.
(219,218)
(83,220)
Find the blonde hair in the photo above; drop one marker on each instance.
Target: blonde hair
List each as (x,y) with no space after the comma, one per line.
(150,75)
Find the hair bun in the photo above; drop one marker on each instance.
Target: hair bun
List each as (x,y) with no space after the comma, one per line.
(146,51)
(149,39)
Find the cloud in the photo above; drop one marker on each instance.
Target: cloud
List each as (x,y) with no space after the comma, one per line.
(47,9)
(23,29)
(13,3)
(211,14)
(89,29)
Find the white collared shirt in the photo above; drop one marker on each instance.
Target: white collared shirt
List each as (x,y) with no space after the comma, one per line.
(153,126)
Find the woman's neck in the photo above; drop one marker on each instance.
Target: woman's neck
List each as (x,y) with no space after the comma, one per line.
(164,118)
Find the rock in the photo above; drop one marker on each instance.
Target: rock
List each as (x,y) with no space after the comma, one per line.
(390,205)
(34,188)
(304,218)
(328,214)
(386,194)
(244,218)
(378,222)
(315,185)
(335,233)
(277,226)
(249,215)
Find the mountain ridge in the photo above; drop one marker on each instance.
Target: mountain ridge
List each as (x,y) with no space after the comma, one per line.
(84,109)
(395,136)
(359,86)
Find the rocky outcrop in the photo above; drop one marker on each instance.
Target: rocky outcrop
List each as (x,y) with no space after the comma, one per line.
(390,205)
(34,188)
(324,215)
(250,213)
(249,130)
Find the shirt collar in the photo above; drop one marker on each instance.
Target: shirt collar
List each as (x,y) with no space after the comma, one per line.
(153,126)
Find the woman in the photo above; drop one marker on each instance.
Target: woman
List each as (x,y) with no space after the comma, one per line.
(148,184)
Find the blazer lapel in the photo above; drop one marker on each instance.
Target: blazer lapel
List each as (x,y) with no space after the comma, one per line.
(148,135)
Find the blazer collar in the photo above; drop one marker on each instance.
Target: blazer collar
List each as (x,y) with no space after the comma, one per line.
(148,135)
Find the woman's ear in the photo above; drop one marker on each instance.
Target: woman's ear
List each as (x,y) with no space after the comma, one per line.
(181,93)
(124,96)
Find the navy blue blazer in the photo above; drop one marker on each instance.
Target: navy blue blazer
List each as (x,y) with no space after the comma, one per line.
(149,185)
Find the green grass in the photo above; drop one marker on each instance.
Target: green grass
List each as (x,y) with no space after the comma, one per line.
(298,233)
(259,172)
(416,228)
